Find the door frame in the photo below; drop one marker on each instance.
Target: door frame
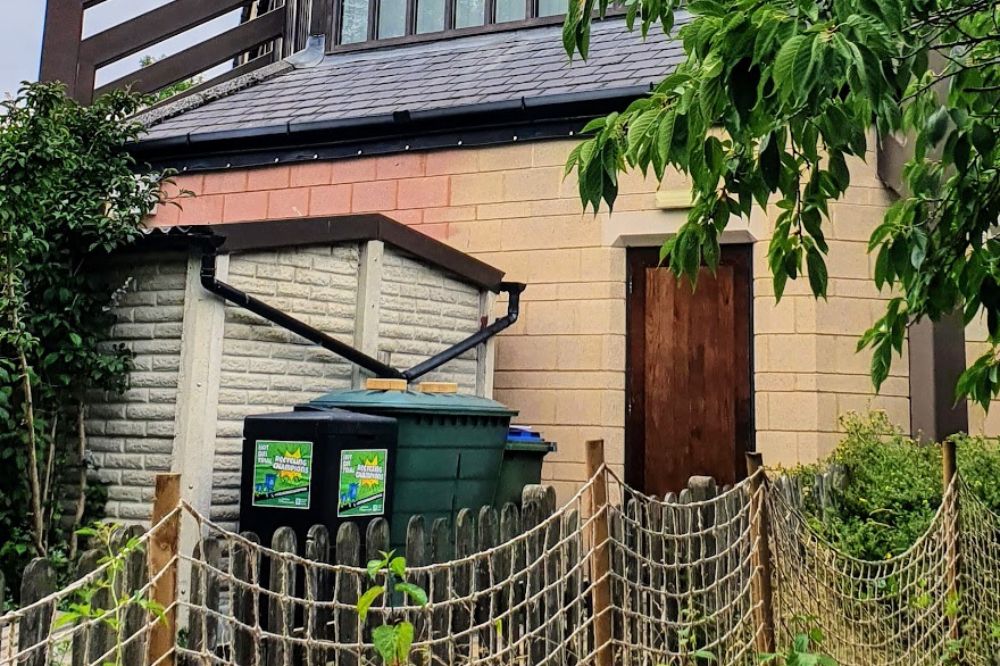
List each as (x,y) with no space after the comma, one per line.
(638,259)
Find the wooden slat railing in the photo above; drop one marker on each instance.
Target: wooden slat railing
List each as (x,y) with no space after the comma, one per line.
(279,29)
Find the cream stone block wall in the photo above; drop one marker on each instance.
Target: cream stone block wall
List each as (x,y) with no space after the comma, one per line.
(981,422)
(563,364)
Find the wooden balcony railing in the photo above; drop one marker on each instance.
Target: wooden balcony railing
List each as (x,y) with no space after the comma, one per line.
(269,29)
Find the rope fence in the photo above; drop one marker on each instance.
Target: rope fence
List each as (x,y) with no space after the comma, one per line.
(709,575)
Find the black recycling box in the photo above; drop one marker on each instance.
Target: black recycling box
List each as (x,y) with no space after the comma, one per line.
(315,468)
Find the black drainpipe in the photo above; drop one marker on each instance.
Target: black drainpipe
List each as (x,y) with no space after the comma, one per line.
(513,291)
(379,369)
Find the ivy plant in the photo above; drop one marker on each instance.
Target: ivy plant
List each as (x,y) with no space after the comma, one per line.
(772,100)
(70,195)
(805,649)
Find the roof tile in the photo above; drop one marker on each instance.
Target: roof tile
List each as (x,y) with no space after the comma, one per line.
(449,73)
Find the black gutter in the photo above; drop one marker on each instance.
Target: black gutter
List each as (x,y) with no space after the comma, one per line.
(490,123)
(513,290)
(286,321)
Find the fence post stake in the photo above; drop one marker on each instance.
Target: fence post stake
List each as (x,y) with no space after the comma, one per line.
(164,545)
(600,572)
(761,555)
(949,468)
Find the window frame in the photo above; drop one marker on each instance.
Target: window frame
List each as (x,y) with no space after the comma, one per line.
(411,35)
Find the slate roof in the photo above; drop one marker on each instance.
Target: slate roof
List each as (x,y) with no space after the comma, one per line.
(527,63)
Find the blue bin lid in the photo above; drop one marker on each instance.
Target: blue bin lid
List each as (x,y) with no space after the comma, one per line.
(523,434)
(403,402)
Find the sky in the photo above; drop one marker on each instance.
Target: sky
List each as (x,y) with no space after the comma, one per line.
(21,37)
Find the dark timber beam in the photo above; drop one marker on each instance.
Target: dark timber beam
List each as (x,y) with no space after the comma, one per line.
(203,56)
(937,358)
(152,27)
(61,43)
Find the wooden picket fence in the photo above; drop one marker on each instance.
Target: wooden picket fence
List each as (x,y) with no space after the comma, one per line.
(612,576)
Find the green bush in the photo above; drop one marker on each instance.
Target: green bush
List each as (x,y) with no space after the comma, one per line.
(892,485)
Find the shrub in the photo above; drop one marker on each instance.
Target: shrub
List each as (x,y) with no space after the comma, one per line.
(891,485)
(70,195)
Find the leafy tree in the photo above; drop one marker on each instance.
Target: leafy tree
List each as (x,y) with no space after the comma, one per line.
(772,98)
(70,194)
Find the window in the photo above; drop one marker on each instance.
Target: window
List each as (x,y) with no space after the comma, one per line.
(372,20)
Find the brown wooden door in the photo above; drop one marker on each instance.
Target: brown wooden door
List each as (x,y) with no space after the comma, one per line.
(689,402)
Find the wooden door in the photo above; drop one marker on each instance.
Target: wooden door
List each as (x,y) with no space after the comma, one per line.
(689,399)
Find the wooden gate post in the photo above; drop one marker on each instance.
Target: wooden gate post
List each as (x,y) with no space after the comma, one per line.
(164,545)
(761,584)
(600,571)
(949,468)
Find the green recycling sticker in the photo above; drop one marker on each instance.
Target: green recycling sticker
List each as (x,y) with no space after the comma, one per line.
(282,473)
(362,482)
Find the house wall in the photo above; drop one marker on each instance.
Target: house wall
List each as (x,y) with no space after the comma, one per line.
(981,422)
(130,437)
(424,312)
(563,364)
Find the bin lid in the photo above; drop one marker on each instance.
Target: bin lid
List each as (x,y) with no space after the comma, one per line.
(403,402)
(535,446)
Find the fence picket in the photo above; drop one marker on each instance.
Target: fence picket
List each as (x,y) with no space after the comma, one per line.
(554,611)
(82,637)
(376,542)
(416,556)
(439,583)
(318,588)
(512,567)
(246,600)
(535,505)
(348,589)
(38,582)
(280,607)
(657,582)
(704,490)
(575,610)
(136,575)
(461,618)
(488,533)
(203,626)
(102,638)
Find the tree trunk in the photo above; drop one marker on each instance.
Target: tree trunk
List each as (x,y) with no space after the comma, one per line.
(81,500)
(38,522)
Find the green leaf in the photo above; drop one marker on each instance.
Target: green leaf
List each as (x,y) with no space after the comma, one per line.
(398,566)
(384,639)
(416,593)
(638,130)
(962,152)
(816,267)
(367,599)
(937,124)
(595,125)
(404,641)
(984,139)
(793,66)
(770,162)
(881,360)
(665,135)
